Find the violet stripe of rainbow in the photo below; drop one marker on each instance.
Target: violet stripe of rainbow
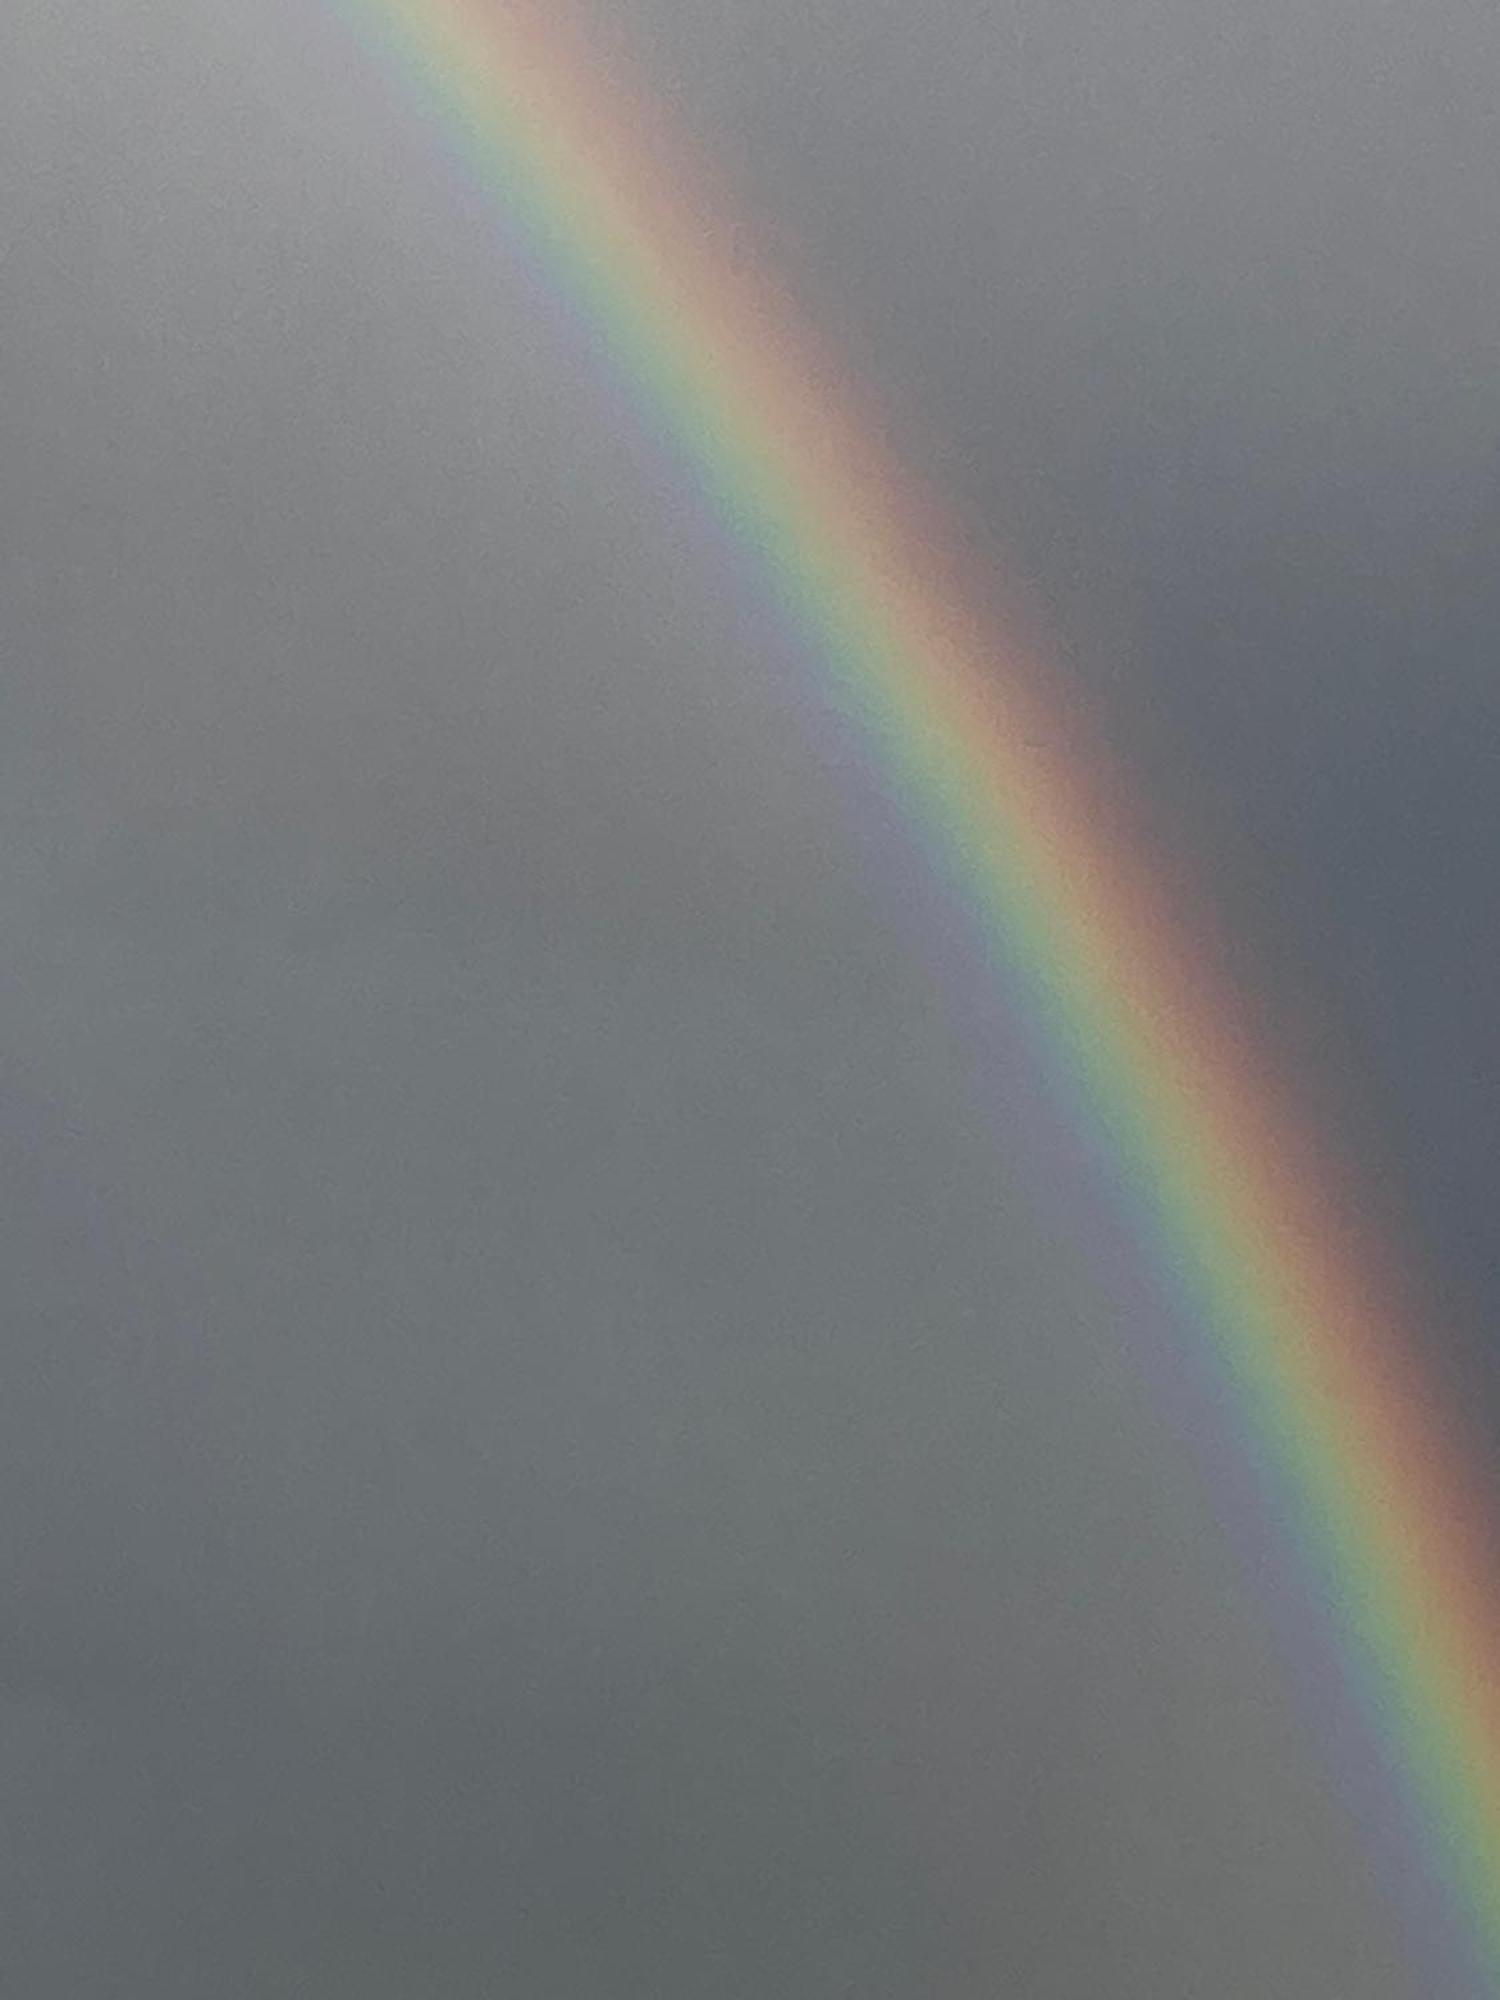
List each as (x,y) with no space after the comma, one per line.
(1378,1482)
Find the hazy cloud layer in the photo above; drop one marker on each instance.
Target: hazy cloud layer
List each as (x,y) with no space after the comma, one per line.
(568,1427)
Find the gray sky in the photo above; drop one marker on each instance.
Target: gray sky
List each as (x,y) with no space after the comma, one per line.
(570,1424)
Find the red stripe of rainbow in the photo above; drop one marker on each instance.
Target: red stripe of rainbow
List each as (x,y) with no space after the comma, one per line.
(1381,1489)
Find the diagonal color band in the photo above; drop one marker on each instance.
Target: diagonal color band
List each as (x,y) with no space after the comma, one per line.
(1381,1490)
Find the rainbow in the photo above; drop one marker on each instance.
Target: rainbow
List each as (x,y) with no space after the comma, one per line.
(1251,1227)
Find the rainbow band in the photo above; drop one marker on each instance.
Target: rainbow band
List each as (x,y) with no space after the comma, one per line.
(1380,1488)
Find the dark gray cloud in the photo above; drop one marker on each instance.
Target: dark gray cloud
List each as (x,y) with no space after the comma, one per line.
(567,1426)
(1193,307)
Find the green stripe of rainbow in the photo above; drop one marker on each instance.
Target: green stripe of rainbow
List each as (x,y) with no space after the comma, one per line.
(1380,1488)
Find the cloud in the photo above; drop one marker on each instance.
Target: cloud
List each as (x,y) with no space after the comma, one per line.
(558,1430)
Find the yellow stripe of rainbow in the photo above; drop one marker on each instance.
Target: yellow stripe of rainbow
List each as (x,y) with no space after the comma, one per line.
(1381,1488)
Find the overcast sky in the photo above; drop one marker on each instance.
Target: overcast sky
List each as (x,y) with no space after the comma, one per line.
(574,1422)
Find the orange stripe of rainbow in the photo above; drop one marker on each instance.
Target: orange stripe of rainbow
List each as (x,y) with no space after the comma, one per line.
(1381,1487)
